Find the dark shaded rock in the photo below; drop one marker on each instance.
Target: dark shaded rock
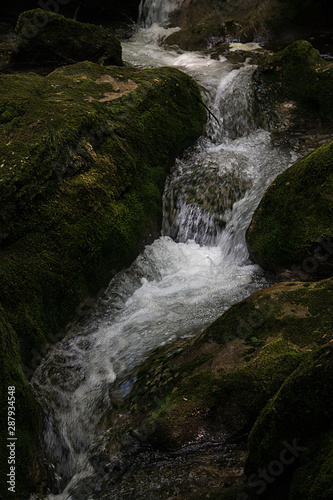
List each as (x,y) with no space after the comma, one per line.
(295,422)
(18,419)
(314,478)
(292,227)
(294,87)
(45,37)
(82,10)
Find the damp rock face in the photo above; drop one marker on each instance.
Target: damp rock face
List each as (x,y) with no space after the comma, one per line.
(46,37)
(203,195)
(294,88)
(211,23)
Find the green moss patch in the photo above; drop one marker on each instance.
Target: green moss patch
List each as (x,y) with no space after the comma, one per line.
(292,226)
(18,419)
(300,413)
(314,477)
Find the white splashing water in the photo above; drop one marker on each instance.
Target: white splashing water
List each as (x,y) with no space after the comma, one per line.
(175,288)
(156,11)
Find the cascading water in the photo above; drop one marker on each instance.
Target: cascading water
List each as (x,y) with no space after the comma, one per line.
(155,11)
(180,283)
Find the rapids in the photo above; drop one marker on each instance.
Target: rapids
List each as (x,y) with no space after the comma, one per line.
(197,269)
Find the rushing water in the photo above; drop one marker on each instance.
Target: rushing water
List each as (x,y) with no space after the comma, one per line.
(156,11)
(180,283)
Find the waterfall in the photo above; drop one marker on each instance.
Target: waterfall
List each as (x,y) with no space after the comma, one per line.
(180,284)
(156,11)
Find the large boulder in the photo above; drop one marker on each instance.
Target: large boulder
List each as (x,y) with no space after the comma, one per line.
(292,227)
(46,37)
(295,429)
(83,159)
(294,87)
(214,389)
(206,23)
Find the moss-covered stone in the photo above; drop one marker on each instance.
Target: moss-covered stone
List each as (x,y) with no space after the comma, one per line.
(298,417)
(314,477)
(294,86)
(209,23)
(293,224)
(46,37)
(83,158)
(225,377)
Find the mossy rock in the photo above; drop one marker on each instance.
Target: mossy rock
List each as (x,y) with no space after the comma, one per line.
(46,37)
(294,87)
(296,421)
(314,477)
(84,155)
(293,224)
(205,401)
(297,312)
(225,377)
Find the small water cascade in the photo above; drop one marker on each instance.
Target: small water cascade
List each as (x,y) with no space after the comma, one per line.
(197,269)
(155,11)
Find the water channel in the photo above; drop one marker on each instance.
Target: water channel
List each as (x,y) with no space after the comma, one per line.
(189,276)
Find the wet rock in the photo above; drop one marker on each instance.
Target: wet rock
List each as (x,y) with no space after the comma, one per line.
(202,197)
(294,87)
(292,226)
(207,23)
(45,37)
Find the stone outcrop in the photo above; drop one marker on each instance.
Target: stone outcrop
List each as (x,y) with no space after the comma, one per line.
(294,88)
(224,378)
(292,227)
(294,431)
(48,38)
